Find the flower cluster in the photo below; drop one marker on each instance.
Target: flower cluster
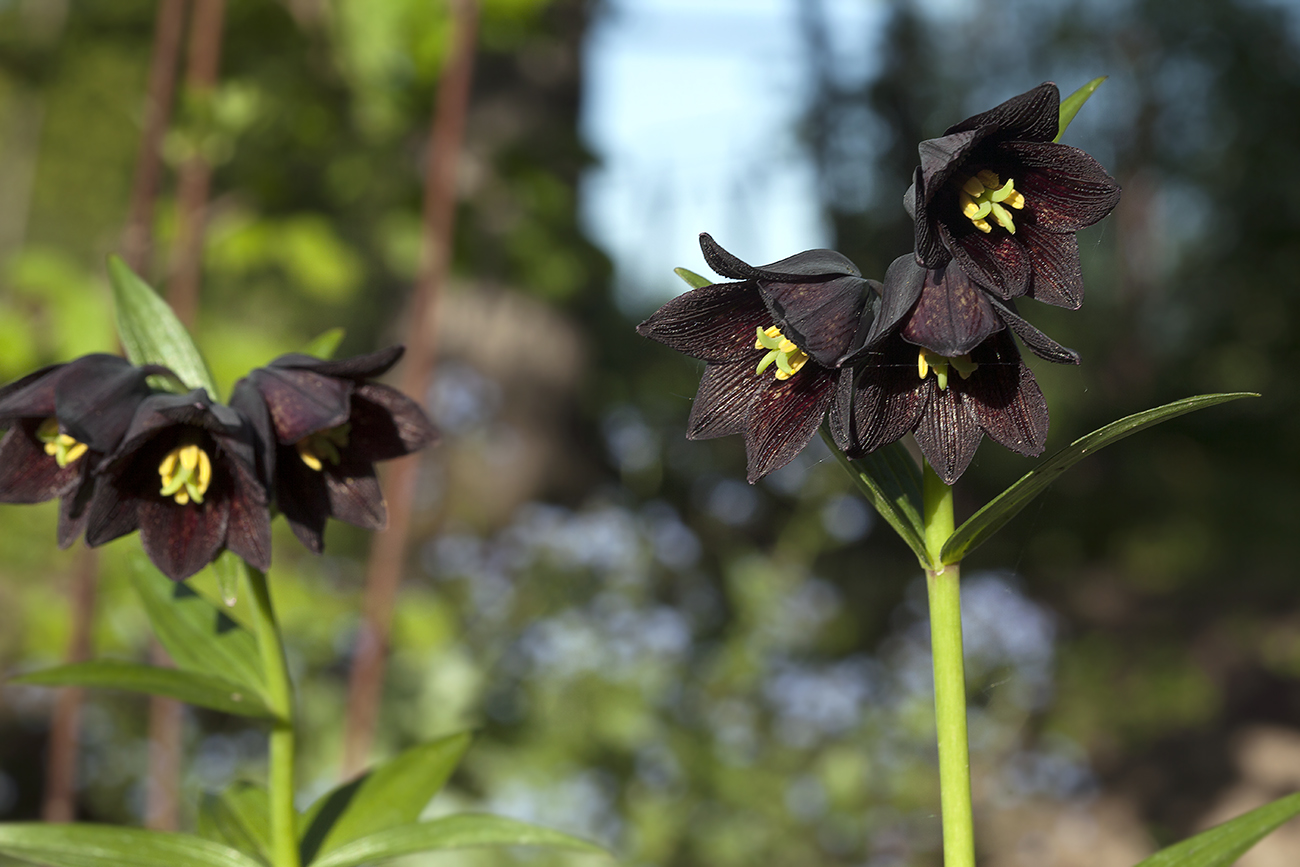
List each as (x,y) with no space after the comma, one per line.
(995,205)
(197,477)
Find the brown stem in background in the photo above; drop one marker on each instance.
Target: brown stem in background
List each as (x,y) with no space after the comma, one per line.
(61,770)
(162,801)
(195,172)
(60,803)
(388,547)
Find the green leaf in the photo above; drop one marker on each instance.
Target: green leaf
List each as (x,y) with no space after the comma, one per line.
(193,687)
(325,344)
(891,482)
(151,333)
(452,832)
(82,845)
(695,281)
(1071,104)
(389,795)
(1008,504)
(238,818)
(1223,844)
(199,635)
(230,571)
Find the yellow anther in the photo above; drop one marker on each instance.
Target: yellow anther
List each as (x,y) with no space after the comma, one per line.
(781,351)
(989,179)
(984,200)
(63,448)
(927,361)
(983,225)
(1015,200)
(972,187)
(186,473)
(308,456)
(324,445)
(922,364)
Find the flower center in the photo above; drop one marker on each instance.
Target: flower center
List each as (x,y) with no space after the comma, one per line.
(789,358)
(63,448)
(323,444)
(186,472)
(983,197)
(927,361)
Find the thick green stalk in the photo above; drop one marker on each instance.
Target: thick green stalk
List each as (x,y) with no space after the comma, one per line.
(284,818)
(944,587)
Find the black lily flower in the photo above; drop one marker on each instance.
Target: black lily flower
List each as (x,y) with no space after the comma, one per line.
(324,425)
(940,362)
(62,420)
(185,476)
(998,195)
(772,345)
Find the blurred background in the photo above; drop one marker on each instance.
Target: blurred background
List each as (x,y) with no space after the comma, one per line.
(653,653)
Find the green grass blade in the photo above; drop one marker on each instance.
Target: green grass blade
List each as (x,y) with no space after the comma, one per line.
(1222,845)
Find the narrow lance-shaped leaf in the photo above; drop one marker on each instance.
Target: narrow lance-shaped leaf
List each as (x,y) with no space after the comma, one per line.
(1071,104)
(695,281)
(150,331)
(389,795)
(198,635)
(238,818)
(192,687)
(1222,845)
(1008,504)
(890,480)
(82,845)
(325,344)
(453,832)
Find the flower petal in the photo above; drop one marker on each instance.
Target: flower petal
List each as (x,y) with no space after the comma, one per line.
(996,261)
(30,397)
(1038,342)
(1034,115)
(356,367)
(248,530)
(904,282)
(948,433)
(714,323)
(821,317)
(722,402)
(74,506)
(809,263)
(889,398)
(952,316)
(27,473)
(1064,188)
(387,424)
(940,157)
(784,417)
(354,495)
(181,540)
(1058,277)
(930,251)
(302,402)
(303,500)
(96,397)
(1005,399)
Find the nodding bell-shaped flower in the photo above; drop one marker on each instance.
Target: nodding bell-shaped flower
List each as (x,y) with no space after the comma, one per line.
(999,196)
(324,425)
(185,476)
(62,420)
(772,344)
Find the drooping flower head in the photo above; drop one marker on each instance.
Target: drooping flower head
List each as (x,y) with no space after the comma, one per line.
(62,421)
(996,194)
(772,346)
(185,476)
(325,424)
(940,362)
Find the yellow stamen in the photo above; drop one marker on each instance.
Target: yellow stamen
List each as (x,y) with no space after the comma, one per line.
(323,444)
(186,473)
(63,448)
(984,200)
(927,361)
(781,351)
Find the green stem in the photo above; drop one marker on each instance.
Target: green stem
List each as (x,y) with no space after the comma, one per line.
(284,818)
(949,676)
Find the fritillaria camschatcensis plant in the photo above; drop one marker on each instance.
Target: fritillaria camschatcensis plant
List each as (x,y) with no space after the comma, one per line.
(930,351)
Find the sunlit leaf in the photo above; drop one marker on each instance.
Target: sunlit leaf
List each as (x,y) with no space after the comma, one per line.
(238,818)
(453,832)
(1071,104)
(198,635)
(389,795)
(325,344)
(695,281)
(891,481)
(192,687)
(1223,844)
(1008,504)
(150,331)
(83,845)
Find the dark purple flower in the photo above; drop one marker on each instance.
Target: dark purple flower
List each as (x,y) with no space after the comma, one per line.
(325,424)
(61,422)
(996,194)
(772,346)
(940,362)
(185,476)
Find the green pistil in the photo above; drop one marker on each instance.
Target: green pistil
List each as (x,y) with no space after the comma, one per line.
(782,351)
(322,446)
(927,361)
(63,448)
(983,197)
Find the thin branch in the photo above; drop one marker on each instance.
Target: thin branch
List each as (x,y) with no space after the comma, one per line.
(60,802)
(388,547)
